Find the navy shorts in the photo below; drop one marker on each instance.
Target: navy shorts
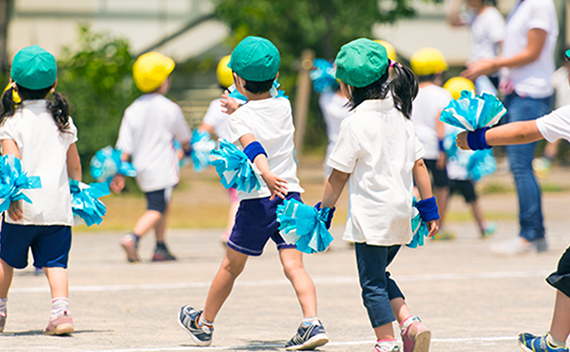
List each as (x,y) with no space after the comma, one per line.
(158,200)
(560,279)
(465,187)
(256,222)
(50,245)
(439,176)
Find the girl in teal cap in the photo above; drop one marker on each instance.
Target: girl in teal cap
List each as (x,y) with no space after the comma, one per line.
(379,156)
(42,135)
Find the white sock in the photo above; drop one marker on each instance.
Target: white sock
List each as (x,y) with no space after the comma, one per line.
(3,305)
(386,345)
(554,342)
(409,321)
(202,321)
(308,321)
(59,305)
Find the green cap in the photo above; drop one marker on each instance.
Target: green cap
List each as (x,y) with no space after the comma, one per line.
(361,62)
(34,68)
(255,59)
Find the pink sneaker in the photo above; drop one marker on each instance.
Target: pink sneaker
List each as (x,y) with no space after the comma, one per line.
(416,337)
(60,325)
(2,321)
(131,247)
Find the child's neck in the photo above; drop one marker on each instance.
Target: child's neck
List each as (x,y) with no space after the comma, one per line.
(261,96)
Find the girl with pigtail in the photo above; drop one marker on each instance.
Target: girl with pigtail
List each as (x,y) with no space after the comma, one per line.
(379,156)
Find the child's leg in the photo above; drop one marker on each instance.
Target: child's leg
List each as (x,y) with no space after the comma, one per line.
(146,222)
(6,275)
(292,261)
(160,226)
(560,326)
(57,279)
(221,287)
(478,215)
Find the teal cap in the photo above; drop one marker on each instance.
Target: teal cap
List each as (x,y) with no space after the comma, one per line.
(255,59)
(34,68)
(361,62)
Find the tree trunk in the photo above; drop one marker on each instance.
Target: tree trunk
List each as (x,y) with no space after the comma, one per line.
(4,21)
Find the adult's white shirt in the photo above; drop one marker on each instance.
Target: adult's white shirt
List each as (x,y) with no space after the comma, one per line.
(148,130)
(555,125)
(271,123)
(426,108)
(487,32)
(533,79)
(43,152)
(559,81)
(378,147)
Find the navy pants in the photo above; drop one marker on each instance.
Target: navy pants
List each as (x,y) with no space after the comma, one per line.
(377,286)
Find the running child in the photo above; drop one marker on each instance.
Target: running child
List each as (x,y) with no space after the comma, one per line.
(264,128)
(148,129)
(40,133)
(379,156)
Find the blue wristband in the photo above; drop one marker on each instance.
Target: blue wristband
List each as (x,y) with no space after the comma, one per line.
(440,145)
(476,139)
(329,217)
(253,149)
(428,209)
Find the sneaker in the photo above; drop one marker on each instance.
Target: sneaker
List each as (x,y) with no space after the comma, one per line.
(2,321)
(131,246)
(188,320)
(530,343)
(416,337)
(308,338)
(540,245)
(490,229)
(60,325)
(162,254)
(444,236)
(514,246)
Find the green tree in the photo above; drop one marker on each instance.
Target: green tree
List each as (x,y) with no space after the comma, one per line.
(95,74)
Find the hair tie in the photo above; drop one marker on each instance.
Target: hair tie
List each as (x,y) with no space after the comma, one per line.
(392,63)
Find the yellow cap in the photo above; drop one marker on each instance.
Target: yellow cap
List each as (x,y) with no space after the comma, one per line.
(15,96)
(225,76)
(151,70)
(428,61)
(389,49)
(456,85)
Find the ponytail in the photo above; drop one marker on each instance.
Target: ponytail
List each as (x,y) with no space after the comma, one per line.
(404,88)
(7,105)
(59,108)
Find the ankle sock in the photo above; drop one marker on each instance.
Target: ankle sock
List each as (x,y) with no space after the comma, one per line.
(386,345)
(308,321)
(408,321)
(554,342)
(59,305)
(202,321)
(3,305)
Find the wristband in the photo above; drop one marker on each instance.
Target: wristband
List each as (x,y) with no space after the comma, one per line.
(329,217)
(440,145)
(476,139)
(428,209)
(253,149)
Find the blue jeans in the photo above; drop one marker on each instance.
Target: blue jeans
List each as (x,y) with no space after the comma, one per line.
(520,162)
(377,286)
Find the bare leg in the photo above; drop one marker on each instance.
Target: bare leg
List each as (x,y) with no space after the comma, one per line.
(57,278)
(441,195)
(400,309)
(221,287)
(384,332)
(146,222)
(6,275)
(292,261)
(560,326)
(478,215)
(160,226)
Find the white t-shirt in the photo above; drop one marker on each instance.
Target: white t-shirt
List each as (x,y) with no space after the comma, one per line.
(334,109)
(555,125)
(218,119)
(533,79)
(377,146)
(271,122)
(426,108)
(148,130)
(487,31)
(43,152)
(559,81)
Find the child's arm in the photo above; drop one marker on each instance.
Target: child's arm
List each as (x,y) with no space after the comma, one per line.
(441,156)
(333,188)
(118,182)
(229,104)
(421,176)
(512,133)
(277,186)
(73,163)
(9,146)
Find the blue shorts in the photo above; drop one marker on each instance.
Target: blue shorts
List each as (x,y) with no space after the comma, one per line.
(158,200)
(256,222)
(50,245)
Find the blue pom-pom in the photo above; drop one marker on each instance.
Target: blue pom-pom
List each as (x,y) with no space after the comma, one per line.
(471,111)
(304,226)
(85,203)
(106,163)
(234,168)
(478,164)
(201,152)
(419,227)
(13,181)
(323,76)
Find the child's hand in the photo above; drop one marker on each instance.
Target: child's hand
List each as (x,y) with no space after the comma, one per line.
(15,211)
(461,141)
(276,185)
(118,183)
(229,104)
(433,227)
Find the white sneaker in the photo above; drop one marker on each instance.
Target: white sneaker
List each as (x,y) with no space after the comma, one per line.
(514,246)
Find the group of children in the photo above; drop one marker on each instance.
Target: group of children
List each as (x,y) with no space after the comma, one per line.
(377,156)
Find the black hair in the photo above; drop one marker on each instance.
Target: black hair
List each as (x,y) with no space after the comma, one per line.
(258,87)
(427,78)
(58,106)
(403,86)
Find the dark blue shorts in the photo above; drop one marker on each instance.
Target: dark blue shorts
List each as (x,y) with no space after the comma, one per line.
(50,245)
(158,200)
(256,222)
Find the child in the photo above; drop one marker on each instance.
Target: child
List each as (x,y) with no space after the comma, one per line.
(149,127)
(551,127)
(42,134)
(429,64)
(264,128)
(379,155)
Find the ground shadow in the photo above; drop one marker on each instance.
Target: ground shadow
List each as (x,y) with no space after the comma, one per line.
(41,332)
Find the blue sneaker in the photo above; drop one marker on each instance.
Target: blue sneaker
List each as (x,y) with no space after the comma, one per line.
(531,343)
(188,319)
(308,338)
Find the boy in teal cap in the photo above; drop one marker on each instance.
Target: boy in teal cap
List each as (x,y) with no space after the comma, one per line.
(264,128)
